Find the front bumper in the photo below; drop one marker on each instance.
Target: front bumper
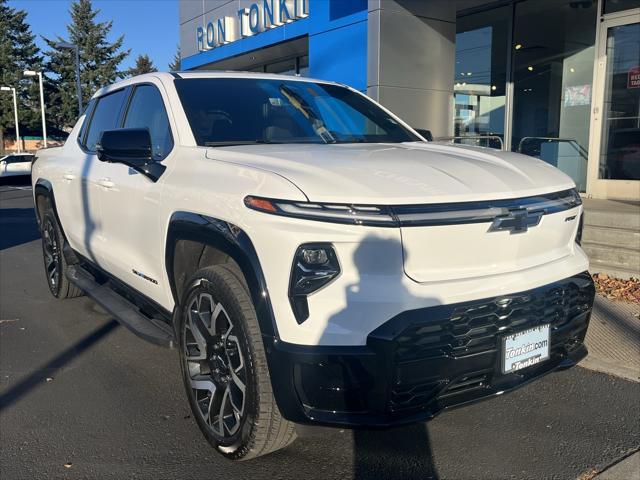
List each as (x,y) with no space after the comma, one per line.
(423,361)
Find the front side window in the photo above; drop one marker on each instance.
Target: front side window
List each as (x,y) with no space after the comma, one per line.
(146,110)
(105,117)
(228,111)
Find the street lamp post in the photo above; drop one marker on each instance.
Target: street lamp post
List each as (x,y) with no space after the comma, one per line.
(72,46)
(31,73)
(15,113)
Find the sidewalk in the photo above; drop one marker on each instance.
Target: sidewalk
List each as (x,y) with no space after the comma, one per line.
(613,339)
(627,469)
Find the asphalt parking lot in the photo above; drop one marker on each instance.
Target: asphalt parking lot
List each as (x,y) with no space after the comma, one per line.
(81,397)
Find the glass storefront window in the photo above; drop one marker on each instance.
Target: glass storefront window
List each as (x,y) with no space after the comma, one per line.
(303,66)
(290,66)
(553,57)
(620,152)
(480,75)
(612,6)
(285,67)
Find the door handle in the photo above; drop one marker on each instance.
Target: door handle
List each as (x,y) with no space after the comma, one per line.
(106,183)
(69,176)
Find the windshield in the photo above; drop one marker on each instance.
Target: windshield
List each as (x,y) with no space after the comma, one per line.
(240,111)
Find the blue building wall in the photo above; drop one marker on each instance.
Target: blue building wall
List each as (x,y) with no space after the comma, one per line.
(337,32)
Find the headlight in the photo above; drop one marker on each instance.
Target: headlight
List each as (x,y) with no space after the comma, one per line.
(314,266)
(427,214)
(337,213)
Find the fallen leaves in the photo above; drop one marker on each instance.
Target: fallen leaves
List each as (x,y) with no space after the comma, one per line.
(588,475)
(617,289)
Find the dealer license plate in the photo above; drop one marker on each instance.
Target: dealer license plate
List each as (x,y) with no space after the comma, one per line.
(524,349)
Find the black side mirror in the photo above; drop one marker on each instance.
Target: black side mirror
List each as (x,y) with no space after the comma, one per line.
(425,133)
(131,147)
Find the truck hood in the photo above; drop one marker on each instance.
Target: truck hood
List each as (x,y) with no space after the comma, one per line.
(405,173)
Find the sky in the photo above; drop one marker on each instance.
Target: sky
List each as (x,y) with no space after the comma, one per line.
(149,26)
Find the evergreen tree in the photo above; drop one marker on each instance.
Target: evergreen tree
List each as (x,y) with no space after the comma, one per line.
(18,52)
(174,66)
(143,65)
(99,61)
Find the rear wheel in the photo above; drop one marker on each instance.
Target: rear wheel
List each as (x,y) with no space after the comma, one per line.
(225,370)
(55,265)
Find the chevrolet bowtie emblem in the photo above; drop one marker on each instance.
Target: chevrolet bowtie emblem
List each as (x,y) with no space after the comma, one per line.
(517,221)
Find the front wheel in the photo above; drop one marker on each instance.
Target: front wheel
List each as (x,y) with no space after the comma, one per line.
(55,265)
(225,370)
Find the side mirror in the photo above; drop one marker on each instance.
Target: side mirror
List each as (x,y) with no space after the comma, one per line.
(425,133)
(131,147)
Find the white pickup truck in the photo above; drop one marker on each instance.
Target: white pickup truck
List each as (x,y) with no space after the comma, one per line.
(311,256)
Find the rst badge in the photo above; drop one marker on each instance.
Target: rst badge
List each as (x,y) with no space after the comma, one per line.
(517,221)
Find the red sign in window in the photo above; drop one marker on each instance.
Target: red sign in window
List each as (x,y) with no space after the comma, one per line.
(633,78)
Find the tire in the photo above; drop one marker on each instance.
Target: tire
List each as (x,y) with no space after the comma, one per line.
(55,265)
(224,368)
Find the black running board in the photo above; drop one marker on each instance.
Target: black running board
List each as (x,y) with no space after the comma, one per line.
(125,312)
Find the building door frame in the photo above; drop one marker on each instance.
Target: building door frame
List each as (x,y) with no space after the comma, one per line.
(597,187)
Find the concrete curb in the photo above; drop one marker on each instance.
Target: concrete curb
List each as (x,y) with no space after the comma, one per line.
(613,339)
(627,469)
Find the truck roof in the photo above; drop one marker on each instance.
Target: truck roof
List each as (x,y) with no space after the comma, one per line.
(168,77)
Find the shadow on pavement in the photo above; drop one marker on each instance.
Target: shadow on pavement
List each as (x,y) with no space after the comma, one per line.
(18,226)
(399,453)
(17,180)
(41,373)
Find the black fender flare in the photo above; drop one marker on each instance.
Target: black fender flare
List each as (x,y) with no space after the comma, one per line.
(232,241)
(43,188)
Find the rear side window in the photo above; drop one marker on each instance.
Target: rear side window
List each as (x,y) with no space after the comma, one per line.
(105,117)
(85,121)
(146,110)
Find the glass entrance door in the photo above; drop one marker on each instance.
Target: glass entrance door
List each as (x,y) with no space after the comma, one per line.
(615,169)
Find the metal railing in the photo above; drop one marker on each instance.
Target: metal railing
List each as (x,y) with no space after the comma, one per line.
(478,138)
(473,137)
(571,141)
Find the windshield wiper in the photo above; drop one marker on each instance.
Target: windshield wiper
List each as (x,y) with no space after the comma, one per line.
(353,140)
(234,143)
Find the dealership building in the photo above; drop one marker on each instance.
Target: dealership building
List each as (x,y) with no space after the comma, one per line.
(554,79)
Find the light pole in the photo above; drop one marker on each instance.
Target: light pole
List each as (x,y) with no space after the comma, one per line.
(72,46)
(15,113)
(31,73)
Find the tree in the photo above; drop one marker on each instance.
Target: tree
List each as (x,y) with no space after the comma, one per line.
(18,52)
(143,65)
(174,66)
(99,61)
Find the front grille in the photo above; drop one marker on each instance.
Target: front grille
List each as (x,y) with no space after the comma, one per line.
(472,328)
(453,350)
